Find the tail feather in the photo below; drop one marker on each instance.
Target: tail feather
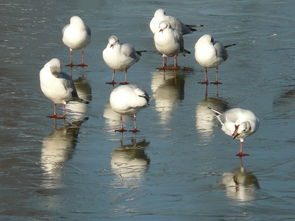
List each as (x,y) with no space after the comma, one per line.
(227,46)
(141,51)
(217,113)
(185,52)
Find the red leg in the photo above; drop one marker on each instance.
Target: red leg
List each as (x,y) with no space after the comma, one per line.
(113,82)
(71,59)
(175,66)
(83,63)
(164,64)
(216,78)
(241,154)
(125,82)
(206,77)
(55,116)
(122,129)
(134,130)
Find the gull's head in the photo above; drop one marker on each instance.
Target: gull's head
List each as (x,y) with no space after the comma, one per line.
(159,12)
(142,94)
(207,38)
(54,66)
(163,25)
(241,130)
(113,40)
(76,20)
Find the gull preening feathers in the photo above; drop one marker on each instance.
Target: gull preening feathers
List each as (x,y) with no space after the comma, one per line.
(127,100)
(57,86)
(76,36)
(169,43)
(119,57)
(210,54)
(239,124)
(160,15)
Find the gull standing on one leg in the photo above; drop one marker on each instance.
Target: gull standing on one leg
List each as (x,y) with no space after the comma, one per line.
(238,123)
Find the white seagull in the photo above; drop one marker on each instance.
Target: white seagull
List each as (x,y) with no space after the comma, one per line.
(169,43)
(57,86)
(238,123)
(119,57)
(210,54)
(160,15)
(76,35)
(127,100)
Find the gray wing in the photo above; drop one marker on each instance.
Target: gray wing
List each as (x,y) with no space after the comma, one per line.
(220,51)
(128,50)
(68,83)
(179,38)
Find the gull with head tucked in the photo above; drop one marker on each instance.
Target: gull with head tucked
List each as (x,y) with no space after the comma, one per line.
(210,54)
(238,123)
(160,15)
(127,100)
(57,86)
(76,36)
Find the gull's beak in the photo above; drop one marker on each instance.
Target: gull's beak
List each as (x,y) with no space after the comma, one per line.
(235,133)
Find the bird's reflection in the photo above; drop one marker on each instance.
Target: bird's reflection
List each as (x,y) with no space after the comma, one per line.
(168,90)
(240,184)
(285,103)
(112,118)
(76,110)
(57,148)
(129,162)
(205,118)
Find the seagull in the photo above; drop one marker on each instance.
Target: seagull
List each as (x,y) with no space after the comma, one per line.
(57,86)
(119,57)
(76,36)
(238,123)
(160,15)
(210,54)
(169,43)
(127,100)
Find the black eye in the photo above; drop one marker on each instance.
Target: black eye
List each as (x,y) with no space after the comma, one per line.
(212,40)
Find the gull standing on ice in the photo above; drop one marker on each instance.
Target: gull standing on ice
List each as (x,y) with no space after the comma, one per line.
(238,123)
(76,36)
(119,57)
(127,100)
(169,43)
(210,54)
(160,15)
(57,86)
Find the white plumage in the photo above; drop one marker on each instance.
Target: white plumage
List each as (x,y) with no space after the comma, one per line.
(160,15)
(238,123)
(127,100)
(169,43)
(210,54)
(57,86)
(119,57)
(76,36)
